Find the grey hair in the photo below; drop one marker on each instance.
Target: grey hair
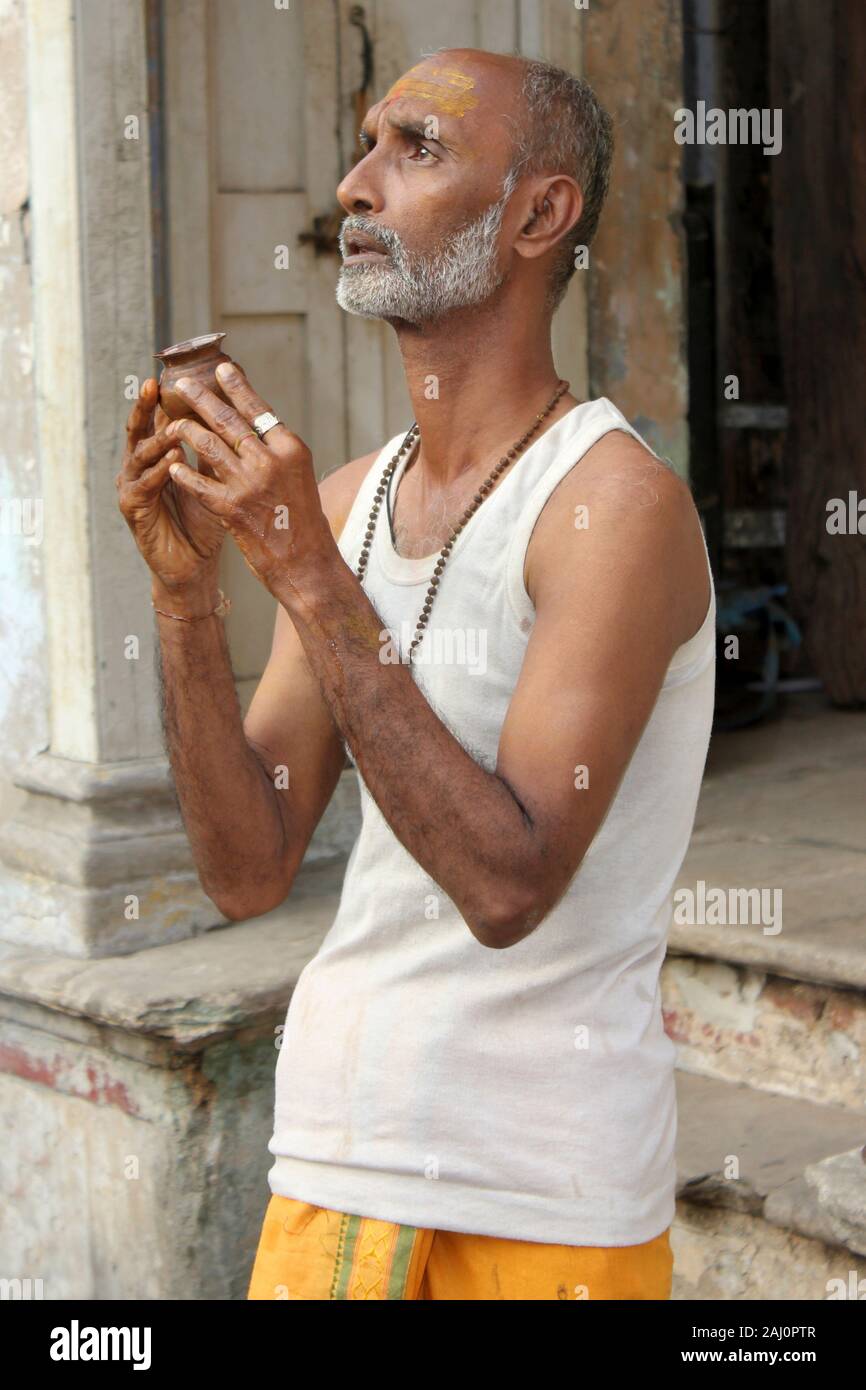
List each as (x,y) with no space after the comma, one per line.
(565,130)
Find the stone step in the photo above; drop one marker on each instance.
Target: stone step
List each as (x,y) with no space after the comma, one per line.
(776,997)
(189,993)
(781,808)
(771,1196)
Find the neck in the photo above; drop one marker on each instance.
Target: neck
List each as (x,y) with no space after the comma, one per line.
(491,378)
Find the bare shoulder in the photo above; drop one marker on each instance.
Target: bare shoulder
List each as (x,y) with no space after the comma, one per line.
(339,489)
(635,518)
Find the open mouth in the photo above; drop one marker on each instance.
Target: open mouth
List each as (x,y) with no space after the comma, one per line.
(361,250)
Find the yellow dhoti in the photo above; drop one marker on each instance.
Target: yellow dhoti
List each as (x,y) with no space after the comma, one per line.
(308,1252)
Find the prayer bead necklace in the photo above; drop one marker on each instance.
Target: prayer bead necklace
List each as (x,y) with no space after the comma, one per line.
(382,491)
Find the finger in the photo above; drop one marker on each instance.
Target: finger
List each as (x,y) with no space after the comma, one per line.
(222,417)
(160,419)
(138,421)
(249,403)
(233,381)
(151,481)
(154,479)
(147,452)
(210,493)
(220,460)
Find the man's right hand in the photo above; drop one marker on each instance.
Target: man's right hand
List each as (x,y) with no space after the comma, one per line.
(178,537)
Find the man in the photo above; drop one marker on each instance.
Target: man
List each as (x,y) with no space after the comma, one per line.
(511,632)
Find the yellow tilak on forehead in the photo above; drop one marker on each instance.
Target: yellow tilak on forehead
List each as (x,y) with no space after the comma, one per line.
(449,89)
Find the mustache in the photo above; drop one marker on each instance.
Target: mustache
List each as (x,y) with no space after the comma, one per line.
(386,238)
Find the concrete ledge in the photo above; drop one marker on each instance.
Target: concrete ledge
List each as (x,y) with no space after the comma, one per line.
(788,1161)
(188,991)
(834,955)
(71,779)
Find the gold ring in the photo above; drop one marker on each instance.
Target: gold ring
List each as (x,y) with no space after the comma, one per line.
(251,434)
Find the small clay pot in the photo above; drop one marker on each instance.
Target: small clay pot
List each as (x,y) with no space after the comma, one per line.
(197,358)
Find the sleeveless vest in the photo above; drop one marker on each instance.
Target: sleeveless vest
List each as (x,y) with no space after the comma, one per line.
(527,1092)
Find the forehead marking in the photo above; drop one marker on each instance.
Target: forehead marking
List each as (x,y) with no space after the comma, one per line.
(448,89)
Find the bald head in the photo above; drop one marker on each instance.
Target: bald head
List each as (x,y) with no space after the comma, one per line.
(462,79)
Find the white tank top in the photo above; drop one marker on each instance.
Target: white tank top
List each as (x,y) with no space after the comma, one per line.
(528,1092)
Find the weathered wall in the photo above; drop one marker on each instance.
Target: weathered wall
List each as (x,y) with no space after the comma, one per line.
(23,686)
(136,1105)
(633,58)
(792,1037)
(154,1156)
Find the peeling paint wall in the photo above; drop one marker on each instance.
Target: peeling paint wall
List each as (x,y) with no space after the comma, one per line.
(131,1169)
(775,1034)
(23,682)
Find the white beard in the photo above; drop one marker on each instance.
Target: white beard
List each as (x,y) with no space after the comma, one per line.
(461,273)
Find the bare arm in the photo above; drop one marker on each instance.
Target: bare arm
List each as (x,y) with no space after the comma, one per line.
(230,808)
(251,792)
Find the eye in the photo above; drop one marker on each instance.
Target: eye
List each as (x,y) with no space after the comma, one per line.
(422,149)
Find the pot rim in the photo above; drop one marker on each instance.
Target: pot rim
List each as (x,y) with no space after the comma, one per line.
(190,345)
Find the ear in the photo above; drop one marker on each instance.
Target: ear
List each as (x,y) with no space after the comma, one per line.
(535,214)
(556,207)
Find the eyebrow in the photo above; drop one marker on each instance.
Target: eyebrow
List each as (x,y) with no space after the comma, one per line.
(408,127)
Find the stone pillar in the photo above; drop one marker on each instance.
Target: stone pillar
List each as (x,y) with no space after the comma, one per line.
(95,859)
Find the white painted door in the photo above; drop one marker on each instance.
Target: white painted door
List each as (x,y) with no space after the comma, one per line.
(252,153)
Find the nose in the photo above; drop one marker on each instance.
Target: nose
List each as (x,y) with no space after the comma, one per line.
(357,191)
